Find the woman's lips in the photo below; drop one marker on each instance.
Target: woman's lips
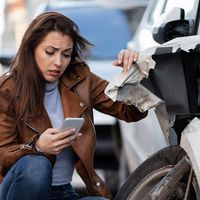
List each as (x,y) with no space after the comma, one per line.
(54,72)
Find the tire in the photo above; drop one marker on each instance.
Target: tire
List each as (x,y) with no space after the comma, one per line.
(151,171)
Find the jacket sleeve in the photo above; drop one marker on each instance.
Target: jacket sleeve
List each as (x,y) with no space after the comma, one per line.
(10,147)
(103,103)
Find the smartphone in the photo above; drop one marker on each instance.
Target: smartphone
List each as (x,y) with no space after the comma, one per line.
(70,123)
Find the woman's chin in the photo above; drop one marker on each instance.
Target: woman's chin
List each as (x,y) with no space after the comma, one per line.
(52,79)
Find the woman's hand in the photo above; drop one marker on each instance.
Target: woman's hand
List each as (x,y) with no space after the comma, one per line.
(52,141)
(126,58)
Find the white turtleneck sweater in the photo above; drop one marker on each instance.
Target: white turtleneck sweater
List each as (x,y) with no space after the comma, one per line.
(65,161)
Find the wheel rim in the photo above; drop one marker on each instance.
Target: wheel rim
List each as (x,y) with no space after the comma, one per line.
(147,183)
(143,188)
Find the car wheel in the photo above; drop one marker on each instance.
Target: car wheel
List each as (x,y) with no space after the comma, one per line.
(151,171)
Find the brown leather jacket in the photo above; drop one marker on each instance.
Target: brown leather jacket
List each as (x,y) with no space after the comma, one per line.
(81,91)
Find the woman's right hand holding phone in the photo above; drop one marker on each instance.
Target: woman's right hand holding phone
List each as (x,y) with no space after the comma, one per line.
(53,141)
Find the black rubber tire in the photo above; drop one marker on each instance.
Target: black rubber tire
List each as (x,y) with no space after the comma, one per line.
(149,173)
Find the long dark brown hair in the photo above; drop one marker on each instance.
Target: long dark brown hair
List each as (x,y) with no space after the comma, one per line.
(28,93)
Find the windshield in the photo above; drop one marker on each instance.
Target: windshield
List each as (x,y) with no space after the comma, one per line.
(108,29)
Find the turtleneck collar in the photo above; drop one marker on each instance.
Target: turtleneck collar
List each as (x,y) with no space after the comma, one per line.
(49,87)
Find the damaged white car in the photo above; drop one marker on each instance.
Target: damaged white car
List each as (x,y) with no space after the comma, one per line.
(166,77)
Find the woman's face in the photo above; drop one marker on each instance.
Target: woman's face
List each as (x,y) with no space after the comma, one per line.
(53,55)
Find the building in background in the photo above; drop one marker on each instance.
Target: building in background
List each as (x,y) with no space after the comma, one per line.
(16,15)
(2,22)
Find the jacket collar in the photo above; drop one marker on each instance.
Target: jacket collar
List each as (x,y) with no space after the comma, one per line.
(71,102)
(76,74)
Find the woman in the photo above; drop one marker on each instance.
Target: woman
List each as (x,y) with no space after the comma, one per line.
(47,82)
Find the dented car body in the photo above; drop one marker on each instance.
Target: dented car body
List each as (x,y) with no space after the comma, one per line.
(171,75)
(167,79)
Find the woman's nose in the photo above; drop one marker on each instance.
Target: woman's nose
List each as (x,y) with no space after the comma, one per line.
(58,60)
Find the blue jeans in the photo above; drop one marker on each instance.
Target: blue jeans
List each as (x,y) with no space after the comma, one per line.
(66,192)
(30,178)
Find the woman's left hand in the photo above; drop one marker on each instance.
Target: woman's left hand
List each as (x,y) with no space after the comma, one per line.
(126,58)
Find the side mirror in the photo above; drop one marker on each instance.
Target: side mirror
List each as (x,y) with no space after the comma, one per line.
(172,25)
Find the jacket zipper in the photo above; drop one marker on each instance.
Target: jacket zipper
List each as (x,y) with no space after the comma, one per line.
(33,128)
(28,145)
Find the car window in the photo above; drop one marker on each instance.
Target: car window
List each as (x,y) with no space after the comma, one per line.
(156,11)
(186,5)
(161,6)
(99,26)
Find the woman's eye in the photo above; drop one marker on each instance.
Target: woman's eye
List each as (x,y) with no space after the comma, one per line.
(49,52)
(67,55)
